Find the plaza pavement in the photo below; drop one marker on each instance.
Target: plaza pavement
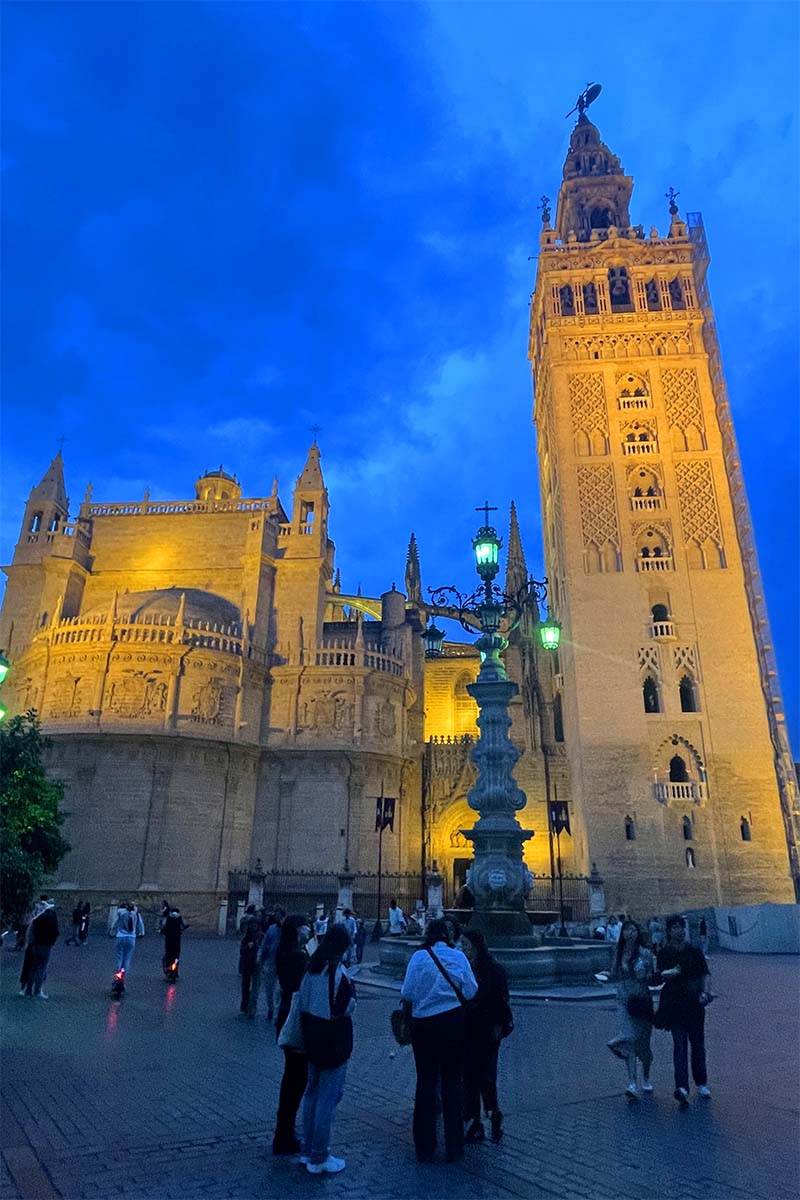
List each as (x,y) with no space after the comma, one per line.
(171,1094)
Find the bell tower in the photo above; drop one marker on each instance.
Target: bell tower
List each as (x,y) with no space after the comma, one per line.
(674,732)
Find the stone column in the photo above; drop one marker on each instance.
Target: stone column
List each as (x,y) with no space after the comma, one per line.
(255,893)
(222,918)
(435,883)
(597,896)
(345,898)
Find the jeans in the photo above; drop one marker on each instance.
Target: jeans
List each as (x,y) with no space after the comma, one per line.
(324,1091)
(269,977)
(688,1028)
(438,1043)
(125,949)
(293,1085)
(38,971)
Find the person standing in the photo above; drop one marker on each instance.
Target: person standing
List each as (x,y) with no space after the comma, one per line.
(703,931)
(43,934)
(351,925)
(613,929)
(655,928)
(291,963)
(83,929)
(438,983)
(77,913)
(127,927)
(397,920)
(489,1020)
(266,958)
(682,1008)
(633,972)
(248,964)
(361,939)
(327,1000)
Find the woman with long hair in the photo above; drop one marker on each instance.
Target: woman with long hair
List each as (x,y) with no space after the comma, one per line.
(438,984)
(633,972)
(489,1020)
(291,962)
(327,1000)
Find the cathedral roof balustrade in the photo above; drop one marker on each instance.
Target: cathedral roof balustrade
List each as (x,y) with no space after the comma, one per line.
(152,630)
(344,652)
(155,508)
(676,793)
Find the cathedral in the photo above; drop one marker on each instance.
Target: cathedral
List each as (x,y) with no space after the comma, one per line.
(214,698)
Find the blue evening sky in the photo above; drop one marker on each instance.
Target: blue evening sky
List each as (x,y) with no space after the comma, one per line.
(227,222)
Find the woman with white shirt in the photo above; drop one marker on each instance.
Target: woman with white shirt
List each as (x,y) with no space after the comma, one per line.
(438,983)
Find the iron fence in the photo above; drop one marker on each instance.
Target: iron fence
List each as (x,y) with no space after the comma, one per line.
(544,896)
(302,891)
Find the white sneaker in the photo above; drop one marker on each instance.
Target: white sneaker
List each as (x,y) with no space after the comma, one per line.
(682,1096)
(705,1091)
(647,1086)
(331,1166)
(41,996)
(632,1091)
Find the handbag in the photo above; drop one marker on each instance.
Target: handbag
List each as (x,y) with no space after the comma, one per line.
(291,1034)
(401,1023)
(328,1040)
(640,1007)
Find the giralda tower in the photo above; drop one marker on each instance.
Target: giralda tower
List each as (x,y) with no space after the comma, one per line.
(682,783)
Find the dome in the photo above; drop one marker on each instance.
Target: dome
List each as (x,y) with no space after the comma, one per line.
(165,602)
(217,485)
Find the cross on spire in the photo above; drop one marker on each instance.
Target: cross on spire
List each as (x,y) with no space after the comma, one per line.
(61,441)
(315,429)
(672,196)
(486,508)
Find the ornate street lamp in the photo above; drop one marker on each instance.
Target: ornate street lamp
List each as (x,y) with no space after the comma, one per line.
(499,878)
(433,639)
(5,667)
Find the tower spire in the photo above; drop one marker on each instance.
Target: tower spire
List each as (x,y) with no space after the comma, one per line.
(51,486)
(596,193)
(413,578)
(516,567)
(311,477)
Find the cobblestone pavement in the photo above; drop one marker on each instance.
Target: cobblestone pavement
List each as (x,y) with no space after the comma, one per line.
(170,1094)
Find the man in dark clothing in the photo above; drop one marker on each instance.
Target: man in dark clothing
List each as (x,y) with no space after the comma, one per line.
(172,929)
(43,936)
(248,964)
(682,1008)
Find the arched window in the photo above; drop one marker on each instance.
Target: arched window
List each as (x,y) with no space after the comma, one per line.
(653,295)
(744,829)
(688,829)
(660,612)
(558,718)
(677,770)
(53,526)
(688,694)
(691,864)
(36,522)
(619,290)
(676,294)
(567,298)
(650,696)
(630,829)
(590,304)
(600,218)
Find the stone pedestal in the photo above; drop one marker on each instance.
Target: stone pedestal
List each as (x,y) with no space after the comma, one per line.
(435,883)
(255,894)
(597,896)
(222,918)
(345,897)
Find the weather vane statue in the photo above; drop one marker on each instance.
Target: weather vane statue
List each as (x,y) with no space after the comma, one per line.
(587,96)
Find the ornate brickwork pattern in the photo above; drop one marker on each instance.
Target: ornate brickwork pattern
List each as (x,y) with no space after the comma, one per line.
(682,398)
(698,501)
(598,504)
(628,345)
(684,659)
(648,661)
(587,403)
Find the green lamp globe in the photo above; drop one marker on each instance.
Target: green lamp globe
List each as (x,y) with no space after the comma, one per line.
(486,545)
(550,634)
(4,666)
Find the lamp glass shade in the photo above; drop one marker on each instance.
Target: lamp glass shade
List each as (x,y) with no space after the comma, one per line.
(487,550)
(550,634)
(4,667)
(433,639)
(3,712)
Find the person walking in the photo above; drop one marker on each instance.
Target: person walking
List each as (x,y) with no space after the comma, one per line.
(327,1000)
(43,934)
(291,962)
(248,964)
(489,1020)
(633,973)
(397,920)
(127,927)
(351,925)
(438,983)
(682,1008)
(266,958)
(83,928)
(361,939)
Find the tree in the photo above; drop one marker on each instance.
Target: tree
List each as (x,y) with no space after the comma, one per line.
(31,845)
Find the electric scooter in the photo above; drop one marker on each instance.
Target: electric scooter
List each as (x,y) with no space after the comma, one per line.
(118,984)
(171,969)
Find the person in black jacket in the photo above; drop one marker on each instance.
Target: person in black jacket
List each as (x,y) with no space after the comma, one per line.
(489,1020)
(291,962)
(43,935)
(248,964)
(682,1008)
(172,929)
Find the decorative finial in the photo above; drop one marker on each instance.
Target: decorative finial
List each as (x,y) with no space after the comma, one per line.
(672,196)
(61,441)
(587,96)
(545,210)
(275,485)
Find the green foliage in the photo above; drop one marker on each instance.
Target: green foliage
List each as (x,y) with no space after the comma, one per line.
(31,845)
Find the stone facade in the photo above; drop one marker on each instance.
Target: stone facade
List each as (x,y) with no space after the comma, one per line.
(672,720)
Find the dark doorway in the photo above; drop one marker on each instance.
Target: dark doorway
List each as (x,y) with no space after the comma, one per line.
(460,868)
